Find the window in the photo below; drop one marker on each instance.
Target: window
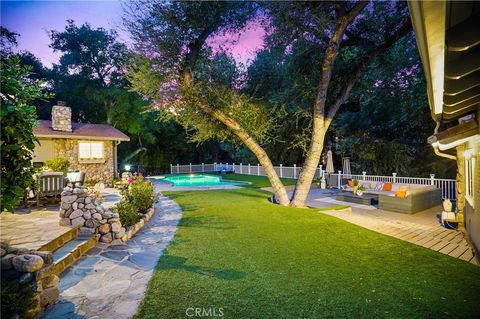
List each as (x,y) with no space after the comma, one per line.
(90,151)
(469,179)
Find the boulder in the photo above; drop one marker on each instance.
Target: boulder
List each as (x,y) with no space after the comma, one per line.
(76,213)
(45,255)
(80,205)
(78,191)
(89,223)
(64,222)
(3,252)
(69,199)
(81,200)
(87,215)
(107,238)
(99,209)
(120,233)
(7,261)
(79,221)
(49,296)
(68,212)
(65,206)
(50,281)
(27,263)
(62,213)
(74,205)
(87,230)
(88,200)
(104,229)
(116,227)
(97,216)
(90,206)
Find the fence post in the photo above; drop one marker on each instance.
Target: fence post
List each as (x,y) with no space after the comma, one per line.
(320,175)
(281,171)
(364,173)
(249,169)
(190,167)
(214,166)
(294,170)
(203,167)
(258,169)
(241,168)
(339,179)
(394,177)
(178,168)
(432,179)
(171,168)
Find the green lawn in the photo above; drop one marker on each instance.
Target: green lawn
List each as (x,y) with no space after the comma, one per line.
(234,250)
(256,181)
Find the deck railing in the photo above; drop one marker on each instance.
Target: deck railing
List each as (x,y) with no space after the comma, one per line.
(448,186)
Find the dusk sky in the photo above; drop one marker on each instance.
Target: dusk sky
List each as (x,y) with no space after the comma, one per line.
(32,20)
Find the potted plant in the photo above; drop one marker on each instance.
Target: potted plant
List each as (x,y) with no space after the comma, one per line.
(360,190)
(355,186)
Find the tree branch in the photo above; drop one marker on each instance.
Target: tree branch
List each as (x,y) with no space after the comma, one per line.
(331,54)
(356,75)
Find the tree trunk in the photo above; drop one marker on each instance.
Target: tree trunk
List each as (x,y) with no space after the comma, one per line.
(304,182)
(256,149)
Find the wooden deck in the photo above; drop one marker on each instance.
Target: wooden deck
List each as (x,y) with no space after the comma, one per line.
(421,229)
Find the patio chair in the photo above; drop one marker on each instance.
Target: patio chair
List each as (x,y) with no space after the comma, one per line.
(49,185)
(77,178)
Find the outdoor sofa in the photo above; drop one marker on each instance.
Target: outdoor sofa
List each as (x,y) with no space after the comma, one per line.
(403,198)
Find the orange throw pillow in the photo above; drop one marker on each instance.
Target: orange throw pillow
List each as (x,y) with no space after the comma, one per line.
(401,194)
(350,183)
(387,186)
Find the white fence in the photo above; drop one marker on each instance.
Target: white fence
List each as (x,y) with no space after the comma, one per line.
(448,186)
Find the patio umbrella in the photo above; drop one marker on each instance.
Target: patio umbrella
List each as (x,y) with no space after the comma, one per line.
(330,168)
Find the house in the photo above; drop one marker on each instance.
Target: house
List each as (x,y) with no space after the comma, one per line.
(91,148)
(448,39)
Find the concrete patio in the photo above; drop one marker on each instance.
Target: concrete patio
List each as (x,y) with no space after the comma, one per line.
(422,228)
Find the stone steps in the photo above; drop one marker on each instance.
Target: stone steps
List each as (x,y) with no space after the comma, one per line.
(67,254)
(60,240)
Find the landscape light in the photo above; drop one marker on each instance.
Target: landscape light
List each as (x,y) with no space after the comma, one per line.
(127,167)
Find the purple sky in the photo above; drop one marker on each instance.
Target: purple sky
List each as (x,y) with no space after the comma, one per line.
(32,19)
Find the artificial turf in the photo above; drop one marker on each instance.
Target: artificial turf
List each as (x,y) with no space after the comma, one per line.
(256,181)
(236,251)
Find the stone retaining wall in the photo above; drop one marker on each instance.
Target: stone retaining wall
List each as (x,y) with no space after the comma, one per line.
(78,208)
(21,266)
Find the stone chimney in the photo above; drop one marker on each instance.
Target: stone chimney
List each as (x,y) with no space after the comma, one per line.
(61,117)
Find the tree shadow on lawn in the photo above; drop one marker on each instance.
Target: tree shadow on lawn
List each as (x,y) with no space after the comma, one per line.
(169,262)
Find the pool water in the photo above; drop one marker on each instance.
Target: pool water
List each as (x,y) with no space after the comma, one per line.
(198,180)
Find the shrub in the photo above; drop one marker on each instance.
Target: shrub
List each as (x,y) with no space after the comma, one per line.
(141,194)
(127,212)
(59,164)
(16,299)
(18,117)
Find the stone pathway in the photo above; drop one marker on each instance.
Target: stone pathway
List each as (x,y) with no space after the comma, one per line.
(110,281)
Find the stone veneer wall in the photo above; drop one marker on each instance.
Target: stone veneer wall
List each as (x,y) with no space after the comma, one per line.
(100,172)
(21,266)
(62,118)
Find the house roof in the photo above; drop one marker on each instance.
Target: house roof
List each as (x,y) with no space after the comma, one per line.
(81,131)
(449,45)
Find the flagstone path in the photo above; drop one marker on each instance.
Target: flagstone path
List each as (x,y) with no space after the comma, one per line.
(110,281)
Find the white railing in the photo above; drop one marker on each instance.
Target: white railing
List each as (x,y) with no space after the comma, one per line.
(448,186)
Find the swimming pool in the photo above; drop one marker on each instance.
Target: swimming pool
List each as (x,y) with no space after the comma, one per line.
(198,180)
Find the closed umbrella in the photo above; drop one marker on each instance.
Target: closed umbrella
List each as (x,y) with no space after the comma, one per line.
(330,169)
